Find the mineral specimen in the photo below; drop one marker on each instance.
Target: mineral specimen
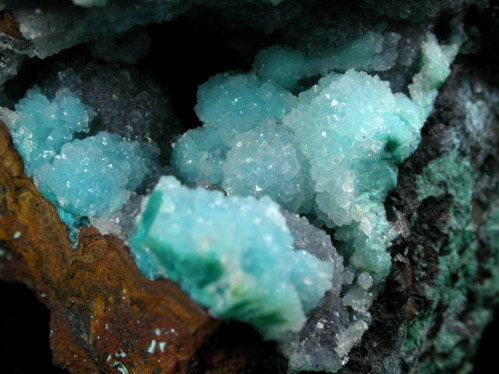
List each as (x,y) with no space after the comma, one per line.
(40,127)
(232,255)
(323,125)
(92,186)
(98,297)
(334,155)
(228,105)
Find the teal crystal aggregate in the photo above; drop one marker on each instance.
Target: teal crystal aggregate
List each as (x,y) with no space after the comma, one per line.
(99,183)
(42,126)
(332,151)
(89,177)
(236,258)
(228,105)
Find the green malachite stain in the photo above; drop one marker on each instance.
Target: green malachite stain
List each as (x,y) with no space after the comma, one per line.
(451,176)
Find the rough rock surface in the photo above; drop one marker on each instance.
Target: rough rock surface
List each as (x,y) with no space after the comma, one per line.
(431,315)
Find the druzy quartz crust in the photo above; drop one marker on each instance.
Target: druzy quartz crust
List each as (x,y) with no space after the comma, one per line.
(335,177)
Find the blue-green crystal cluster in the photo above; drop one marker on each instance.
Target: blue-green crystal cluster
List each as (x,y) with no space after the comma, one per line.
(43,126)
(332,151)
(228,105)
(266,161)
(373,52)
(88,177)
(236,258)
(98,174)
(329,151)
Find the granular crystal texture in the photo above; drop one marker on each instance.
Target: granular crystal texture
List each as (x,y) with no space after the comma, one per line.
(41,126)
(332,152)
(105,316)
(234,255)
(101,181)
(353,135)
(286,67)
(126,101)
(265,161)
(325,109)
(313,348)
(236,103)
(93,176)
(227,105)
(199,155)
(352,130)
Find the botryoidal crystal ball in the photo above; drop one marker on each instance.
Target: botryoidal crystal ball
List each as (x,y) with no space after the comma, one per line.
(346,146)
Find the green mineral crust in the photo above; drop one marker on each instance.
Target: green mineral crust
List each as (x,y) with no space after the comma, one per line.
(456,289)
(448,175)
(314,172)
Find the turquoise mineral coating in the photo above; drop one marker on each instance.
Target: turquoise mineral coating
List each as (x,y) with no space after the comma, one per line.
(241,102)
(434,70)
(199,155)
(266,161)
(302,150)
(89,177)
(228,105)
(332,151)
(42,126)
(95,176)
(286,67)
(231,254)
(271,139)
(355,135)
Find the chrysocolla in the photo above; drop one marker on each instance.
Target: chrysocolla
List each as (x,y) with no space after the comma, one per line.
(228,105)
(41,126)
(231,254)
(95,176)
(344,139)
(89,177)
(333,151)
(265,161)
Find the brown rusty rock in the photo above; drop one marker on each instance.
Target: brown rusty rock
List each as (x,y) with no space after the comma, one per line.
(105,316)
(9,25)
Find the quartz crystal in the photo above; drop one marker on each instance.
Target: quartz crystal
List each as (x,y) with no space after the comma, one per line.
(41,126)
(228,105)
(100,182)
